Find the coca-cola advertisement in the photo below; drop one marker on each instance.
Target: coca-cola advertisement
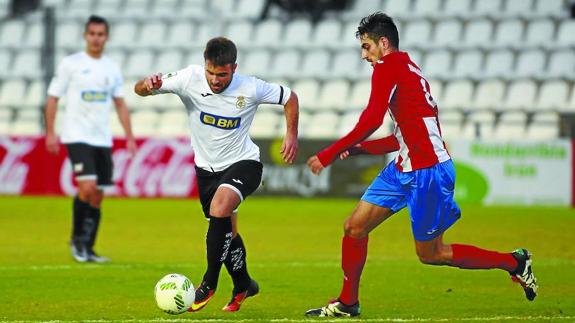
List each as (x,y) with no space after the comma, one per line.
(160,168)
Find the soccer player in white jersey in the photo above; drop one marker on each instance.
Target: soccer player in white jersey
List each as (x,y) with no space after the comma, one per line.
(221,107)
(91,83)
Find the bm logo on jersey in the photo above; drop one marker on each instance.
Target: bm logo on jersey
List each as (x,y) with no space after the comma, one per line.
(94,96)
(225,123)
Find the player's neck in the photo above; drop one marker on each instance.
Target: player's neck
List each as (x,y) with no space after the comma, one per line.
(388,51)
(94,54)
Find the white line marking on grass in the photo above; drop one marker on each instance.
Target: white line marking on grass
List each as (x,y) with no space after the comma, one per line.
(295,264)
(316,264)
(160,266)
(286,320)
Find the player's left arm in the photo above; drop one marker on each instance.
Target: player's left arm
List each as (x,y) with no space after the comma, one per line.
(124,117)
(272,93)
(290,145)
(380,146)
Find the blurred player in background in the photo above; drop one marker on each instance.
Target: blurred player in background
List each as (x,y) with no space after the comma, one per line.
(422,176)
(221,107)
(91,82)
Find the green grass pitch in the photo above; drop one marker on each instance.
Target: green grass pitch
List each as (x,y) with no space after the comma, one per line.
(294,253)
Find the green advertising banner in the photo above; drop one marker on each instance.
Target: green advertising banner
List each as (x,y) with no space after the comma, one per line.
(513,173)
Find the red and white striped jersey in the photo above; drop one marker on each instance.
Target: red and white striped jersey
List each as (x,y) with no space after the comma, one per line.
(398,86)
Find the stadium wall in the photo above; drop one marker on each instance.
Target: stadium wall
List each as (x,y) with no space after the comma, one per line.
(488,172)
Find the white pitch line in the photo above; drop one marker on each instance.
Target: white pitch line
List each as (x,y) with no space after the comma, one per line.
(316,264)
(286,320)
(160,266)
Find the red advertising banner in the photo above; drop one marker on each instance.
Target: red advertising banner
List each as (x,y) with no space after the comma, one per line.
(160,168)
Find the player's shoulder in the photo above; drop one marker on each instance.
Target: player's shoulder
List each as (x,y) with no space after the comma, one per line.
(193,71)
(245,85)
(391,62)
(110,63)
(74,58)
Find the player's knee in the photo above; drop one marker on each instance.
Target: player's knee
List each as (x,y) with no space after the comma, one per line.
(220,209)
(354,230)
(96,199)
(88,192)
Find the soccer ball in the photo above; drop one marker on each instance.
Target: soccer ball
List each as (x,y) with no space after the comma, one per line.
(174,293)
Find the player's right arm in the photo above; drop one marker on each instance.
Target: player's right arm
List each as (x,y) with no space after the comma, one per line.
(57,88)
(146,86)
(383,84)
(173,82)
(52,145)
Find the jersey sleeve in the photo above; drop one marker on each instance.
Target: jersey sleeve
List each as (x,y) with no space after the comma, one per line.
(174,82)
(271,93)
(59,84)
(383,85)
(118,87)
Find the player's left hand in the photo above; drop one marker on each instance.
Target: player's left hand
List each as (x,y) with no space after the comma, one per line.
(315,165)
(352,151)
(132,147)
(289,148)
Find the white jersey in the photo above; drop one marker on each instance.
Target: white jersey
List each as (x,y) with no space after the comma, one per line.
(89,85)
(220,123)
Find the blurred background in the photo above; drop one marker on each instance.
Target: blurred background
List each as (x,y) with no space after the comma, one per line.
(500,70)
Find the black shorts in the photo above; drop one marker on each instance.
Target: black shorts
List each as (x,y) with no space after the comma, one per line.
(244,177)
(91,163)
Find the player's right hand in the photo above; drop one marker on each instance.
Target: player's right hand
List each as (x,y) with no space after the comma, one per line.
(153,82)
(52,145)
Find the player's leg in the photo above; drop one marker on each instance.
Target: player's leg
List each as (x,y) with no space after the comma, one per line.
(82,160)
(82,218)
(381,200)
(218,240)
(207,185)
(516,263)
(95,216)
(433,211)
(357,227)
(236,265)
(104,171)
(363,220)
(244,178)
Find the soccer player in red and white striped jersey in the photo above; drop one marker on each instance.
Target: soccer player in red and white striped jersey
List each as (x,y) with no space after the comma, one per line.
(422,176)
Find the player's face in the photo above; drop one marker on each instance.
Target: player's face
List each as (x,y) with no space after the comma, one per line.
(370,50)
(96,36)
(219,77)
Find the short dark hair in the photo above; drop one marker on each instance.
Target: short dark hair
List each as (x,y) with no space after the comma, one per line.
(93,19)
(221,51)
(379,25)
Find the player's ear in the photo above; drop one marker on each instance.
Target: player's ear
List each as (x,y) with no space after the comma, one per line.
(383,42)
(234,67)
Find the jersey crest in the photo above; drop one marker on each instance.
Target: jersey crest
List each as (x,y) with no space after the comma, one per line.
(241,102)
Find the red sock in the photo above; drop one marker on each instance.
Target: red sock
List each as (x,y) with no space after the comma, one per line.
(353,256)
(470,257)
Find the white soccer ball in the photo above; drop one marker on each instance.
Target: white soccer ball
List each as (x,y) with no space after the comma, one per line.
(174,293)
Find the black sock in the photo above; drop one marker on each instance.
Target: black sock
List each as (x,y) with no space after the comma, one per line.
(237,266)
(91,226)
(80,212)
(218,242)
